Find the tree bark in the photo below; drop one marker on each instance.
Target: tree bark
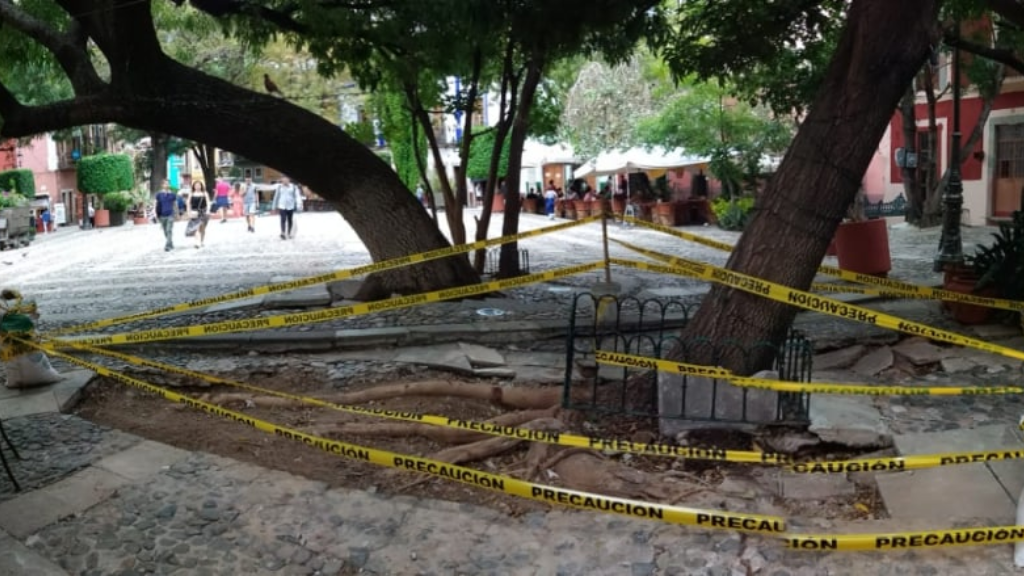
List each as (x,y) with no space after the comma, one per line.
(157,160)
(508,265)
(452,212)
(932,213)
(883,45)
(915,200)
(149,91)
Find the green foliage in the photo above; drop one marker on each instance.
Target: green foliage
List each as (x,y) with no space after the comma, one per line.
(733,214)
(12,200)
(1000,265)
(703,119)
(105,173)
(603,106)
(775,53)
(361,131)
(19,180)
(119,201)
(397,126)
(480,151)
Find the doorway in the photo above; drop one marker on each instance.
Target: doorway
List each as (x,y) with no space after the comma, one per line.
(1009,170)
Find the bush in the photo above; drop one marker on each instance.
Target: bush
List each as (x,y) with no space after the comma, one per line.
(105,173)
(733,214)
(12,200)
(19,180)
(117,201)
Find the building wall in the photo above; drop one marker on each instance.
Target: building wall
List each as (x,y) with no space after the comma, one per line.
(977,170)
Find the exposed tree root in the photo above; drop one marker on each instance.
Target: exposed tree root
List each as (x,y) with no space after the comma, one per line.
(589,472)
(435,433)
(518,398)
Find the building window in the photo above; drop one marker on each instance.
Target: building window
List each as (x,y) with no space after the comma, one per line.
(1010,151)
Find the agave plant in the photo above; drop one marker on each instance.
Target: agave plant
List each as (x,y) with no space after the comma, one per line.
(1000,265)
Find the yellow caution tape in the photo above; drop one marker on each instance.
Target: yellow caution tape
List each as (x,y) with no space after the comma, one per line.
(382,266)
(816,303)
(888,287)
(494,482)
(906,540)
(644,362)
(328,314)
(580,441)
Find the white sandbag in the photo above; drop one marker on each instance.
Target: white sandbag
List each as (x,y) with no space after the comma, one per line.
(32,369)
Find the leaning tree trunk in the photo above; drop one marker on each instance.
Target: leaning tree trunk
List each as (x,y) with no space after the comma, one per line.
(883,45)
(150,91)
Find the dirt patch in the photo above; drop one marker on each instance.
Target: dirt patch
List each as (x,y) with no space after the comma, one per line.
(696,483)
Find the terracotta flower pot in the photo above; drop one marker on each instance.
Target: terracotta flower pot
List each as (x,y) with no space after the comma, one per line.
(102,218)
(863,247)
(964,281)
(665,214)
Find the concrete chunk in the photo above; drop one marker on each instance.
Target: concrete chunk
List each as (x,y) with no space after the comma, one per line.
(816,486)
(849,420)
(482,356)
(842,358)
(874,362)
(920,352)
(446,357)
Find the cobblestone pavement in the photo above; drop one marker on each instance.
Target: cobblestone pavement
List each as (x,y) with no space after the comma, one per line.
(206,515)
(202,514)
(77,276)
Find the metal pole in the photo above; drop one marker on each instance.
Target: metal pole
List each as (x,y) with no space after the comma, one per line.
(604,238)
(951,245)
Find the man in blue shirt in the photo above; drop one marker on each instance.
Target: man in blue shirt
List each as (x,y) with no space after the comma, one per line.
(165,205)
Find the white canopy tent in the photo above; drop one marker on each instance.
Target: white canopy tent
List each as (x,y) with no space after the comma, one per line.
(636,159)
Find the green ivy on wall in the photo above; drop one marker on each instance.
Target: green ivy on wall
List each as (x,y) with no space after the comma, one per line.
(479,163)
(105,173)
(397,126)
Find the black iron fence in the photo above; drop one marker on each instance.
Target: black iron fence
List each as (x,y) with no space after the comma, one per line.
(650,328)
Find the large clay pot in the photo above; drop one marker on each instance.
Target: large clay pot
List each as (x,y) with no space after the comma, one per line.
(102,218)
(498,204)
(863,247)
(964,281)
(665,214)
(529,206)
(618,207)
(831,250)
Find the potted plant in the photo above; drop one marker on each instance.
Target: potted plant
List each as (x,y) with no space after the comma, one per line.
(995,270)
(139,198)
(862,244)
(117,203)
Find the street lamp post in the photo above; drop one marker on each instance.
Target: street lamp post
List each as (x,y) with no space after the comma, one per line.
(951,250)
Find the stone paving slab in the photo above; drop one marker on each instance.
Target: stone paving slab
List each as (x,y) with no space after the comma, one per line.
(946,494)
(142,460)
(57,397)
(26,514)
(16,559)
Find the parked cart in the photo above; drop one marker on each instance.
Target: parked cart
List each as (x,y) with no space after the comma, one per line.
(15,227)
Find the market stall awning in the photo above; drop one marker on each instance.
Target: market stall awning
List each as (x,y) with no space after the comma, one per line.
(637,159)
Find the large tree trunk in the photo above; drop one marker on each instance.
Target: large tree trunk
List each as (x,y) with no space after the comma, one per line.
(883,45)
(157,160)
(152,92)
(508,265)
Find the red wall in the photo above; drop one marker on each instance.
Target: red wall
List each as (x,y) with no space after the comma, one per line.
(970,109)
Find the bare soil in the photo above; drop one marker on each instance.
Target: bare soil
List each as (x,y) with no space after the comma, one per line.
(111,404)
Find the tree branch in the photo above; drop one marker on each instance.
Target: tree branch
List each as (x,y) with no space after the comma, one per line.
(20,120)
(1000,55)
(68,48)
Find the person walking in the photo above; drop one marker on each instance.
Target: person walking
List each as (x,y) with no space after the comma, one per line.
(222,201)
(550,195)
(47,219)
(92,215)
(250,203)
(199,208)
(286,200)
(166,204)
